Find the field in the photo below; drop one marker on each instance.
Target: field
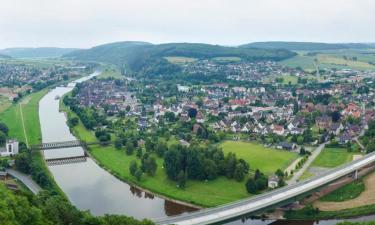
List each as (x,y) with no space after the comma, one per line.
(258,156)
(4,103)
(110,72)
(346,192)
(333,59)
(333,157)
(203,193)
(12,117)
(358,194)
(227,59)
(179,59)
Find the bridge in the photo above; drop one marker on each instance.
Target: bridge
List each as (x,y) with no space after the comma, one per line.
(57,145)
(264,202)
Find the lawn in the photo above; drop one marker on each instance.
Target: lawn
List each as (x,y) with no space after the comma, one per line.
(346,192)
(333,157)
(204,193)
(12,117)
(4,103)
(180,59)
(290,78)
(259,157)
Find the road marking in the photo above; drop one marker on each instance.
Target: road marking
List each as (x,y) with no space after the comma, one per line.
(23,125)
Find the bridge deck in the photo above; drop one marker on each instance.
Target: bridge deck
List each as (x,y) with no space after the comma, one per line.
(242,207)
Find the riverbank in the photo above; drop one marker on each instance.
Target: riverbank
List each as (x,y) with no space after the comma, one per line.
(26,126)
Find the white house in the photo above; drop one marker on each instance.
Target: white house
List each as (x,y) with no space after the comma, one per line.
(273,181)
(11,148)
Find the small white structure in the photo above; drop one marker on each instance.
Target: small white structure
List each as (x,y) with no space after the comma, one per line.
(273,181)
(11,148)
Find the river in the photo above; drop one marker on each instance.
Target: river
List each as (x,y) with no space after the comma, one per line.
(89,187)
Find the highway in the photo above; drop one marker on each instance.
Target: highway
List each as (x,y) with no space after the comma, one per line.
(264,201)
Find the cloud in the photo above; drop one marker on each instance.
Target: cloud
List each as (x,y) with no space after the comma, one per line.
(85,23)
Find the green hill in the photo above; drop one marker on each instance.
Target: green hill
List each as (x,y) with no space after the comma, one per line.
(36,52)
(306,46)
(136,55)
(2,56)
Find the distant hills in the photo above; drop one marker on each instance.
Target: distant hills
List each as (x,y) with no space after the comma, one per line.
(36,52)
(307,46)
(2,56)
(134,55)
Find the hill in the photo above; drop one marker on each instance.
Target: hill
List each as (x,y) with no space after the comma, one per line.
(2,56)
(36,52)
(135,55)
(306,46)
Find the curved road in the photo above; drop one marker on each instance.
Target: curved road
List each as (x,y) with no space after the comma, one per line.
(264,201)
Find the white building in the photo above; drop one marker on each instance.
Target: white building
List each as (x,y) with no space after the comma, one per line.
(273,181)
(11,148)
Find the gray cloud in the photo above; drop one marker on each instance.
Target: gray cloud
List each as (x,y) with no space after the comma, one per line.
(85,23)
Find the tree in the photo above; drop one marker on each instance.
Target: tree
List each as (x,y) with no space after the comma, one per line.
(251,186)
(139,152)
(160,148)
(192,112)
(118,143)
(3,138)
(22,162)
(279,173)
(239,172)
(4,128)
(138,174)
(149,145)
(181,179)
(210,169)
(336,116)
(73,122)
(129,147)
(133,167)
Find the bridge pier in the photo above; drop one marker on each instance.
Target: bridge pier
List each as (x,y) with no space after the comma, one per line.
(356,175)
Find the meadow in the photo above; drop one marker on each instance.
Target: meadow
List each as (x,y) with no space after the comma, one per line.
(333,157)
(258,156)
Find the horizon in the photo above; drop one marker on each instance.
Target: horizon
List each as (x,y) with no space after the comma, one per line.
(36,47)
(84,24)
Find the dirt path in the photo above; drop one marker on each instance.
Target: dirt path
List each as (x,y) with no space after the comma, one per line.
(23,126)
(366,198)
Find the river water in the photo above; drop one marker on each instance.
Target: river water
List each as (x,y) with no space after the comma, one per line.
(89,187)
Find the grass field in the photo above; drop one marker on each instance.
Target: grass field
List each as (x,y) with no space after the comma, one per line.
(12,117)
(346,192)
(111,71)
(332,59)
(179,59)
(4,103)
(210,193)
(203,193)
(227,59)
(333,157)
(259,157)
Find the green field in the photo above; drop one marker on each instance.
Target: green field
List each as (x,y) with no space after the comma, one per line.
(180,59)
(227,59)
(333,59)
(110,72)
(12,117)
(4,103)
(258,156)
(333,157)
(204,193)
(346,192)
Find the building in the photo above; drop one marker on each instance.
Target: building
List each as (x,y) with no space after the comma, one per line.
(323,122)
(11,148)
(273,181)
(286,146)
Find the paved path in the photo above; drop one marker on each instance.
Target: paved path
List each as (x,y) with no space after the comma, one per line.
(23,125)
(298,174)
(26,180)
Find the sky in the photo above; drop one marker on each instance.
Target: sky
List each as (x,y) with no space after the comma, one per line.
(87,23)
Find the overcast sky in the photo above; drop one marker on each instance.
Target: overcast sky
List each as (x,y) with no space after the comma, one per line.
(86,23)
